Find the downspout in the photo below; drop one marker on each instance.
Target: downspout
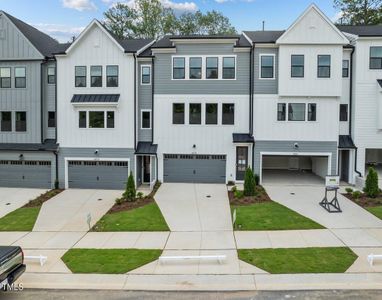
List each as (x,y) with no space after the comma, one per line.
(135,117)
(351,111)
(57,184)
(152,113)
(42,101)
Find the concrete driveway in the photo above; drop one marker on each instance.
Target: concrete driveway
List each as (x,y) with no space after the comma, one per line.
(195,207)
(68,210)
(14,198)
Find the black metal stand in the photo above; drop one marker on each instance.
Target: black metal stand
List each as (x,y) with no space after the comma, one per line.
(331,206)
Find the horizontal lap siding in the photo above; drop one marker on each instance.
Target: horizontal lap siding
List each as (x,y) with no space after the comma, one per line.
(144,102)
(265,86)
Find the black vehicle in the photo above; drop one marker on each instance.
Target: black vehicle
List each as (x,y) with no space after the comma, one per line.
(11,265)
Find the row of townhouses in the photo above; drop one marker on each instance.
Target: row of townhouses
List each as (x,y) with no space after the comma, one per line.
(189,108)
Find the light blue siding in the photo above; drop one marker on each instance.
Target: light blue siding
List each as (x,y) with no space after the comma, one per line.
(265,86)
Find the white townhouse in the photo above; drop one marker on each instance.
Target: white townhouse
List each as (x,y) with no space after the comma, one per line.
(301,86)
(96,109)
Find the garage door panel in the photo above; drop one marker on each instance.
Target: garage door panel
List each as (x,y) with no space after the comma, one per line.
(195,168)
(97,175)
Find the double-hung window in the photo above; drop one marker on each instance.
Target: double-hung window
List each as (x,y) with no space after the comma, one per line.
(228,68)
(6,121)
(345,68)
(296,112)
(323,66)
(297,66)
(211,114)
(178,68)
(312,111)
(375,58)
(82,118)
(228,115)
(195,113)
(80,76)
(146,75)
(195,68)
(21,121)
(281,111)
(212,68)
(146,119)
(95,76)
(343,112)
(110,119)
(267,64)
(178,113)
(51,119)
(5,77)
(51,75)
(20,77)
(111,76)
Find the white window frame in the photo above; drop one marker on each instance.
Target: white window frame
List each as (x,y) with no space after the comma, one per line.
(274,66)
(142,111)
(145,66)
(287,112)
(88,119)
(204,64)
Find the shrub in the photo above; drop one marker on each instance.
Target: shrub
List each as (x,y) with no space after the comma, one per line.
(257,179)
(119,201)
(349,190)
(356,194)
(56,184)
(139,195)
(130,192)
(371,186)
(234,188)
(249,183)
(230,183)
(238,194)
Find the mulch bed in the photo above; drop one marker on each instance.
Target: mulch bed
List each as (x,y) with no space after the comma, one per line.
(124,206)
(364,200)
(43,198)
(261,197)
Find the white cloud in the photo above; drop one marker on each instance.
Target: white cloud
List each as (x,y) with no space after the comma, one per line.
(225,1)
(62,33)
(337,16)
(79,5)
(178,7)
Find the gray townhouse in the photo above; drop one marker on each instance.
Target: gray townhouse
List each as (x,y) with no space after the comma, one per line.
(28,148)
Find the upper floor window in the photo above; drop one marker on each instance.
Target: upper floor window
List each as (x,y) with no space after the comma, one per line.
(195,68)
(323,66)
(281,111)
(178,113)
(212,67)
(110,119)
(312,112)
(51,119)
(96,119)
(111,76)
(345,68)
(82,118)
(20,77)
(6,121)
(228,68)
(296,112)
(21,121)
(195,113)
(178,68)
(5,77)
(211,113)
(51,75)
(96,76)
(228,116)
(297,66)
(146,75)
(80,76)
(267,66)
(343,112)
(375,58)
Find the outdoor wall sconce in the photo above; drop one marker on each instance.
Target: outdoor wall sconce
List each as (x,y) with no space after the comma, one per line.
(194,146)
(96,152)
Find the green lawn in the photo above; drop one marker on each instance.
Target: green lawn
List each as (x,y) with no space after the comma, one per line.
(376,210)
(300,260)
(21,219)
(271,216)
(108,261)
(145,218)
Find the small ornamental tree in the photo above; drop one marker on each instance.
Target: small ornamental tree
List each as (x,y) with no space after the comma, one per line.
(130,192)
(249,183)
(371,186)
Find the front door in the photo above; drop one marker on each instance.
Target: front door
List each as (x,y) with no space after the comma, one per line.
(241,162)
(345,165)
(146,169)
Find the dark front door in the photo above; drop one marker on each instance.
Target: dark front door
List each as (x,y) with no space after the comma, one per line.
(146,169)
(345,165)
(241,162)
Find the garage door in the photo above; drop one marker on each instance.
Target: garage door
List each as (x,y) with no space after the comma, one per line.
(98,174)
(194,168)
(28,174)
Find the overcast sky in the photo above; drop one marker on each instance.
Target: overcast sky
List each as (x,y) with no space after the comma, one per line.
(65,18)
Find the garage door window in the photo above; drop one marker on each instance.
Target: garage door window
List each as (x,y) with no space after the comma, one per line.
(195,113)
(228,116)
(296,112)
(6,121)
(96,119)
(211,113)
(178,113)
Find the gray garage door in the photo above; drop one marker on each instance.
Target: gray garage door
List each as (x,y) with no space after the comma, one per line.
(98,174)
(28,174)
(194,168)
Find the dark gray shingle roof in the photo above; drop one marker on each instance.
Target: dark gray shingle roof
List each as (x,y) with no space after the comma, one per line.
(262,37)
(362,30)
(95,98)
(379,82)
(45,44)
(48,145)
(166,42)
(345,141)
(146,148)
(146,53)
